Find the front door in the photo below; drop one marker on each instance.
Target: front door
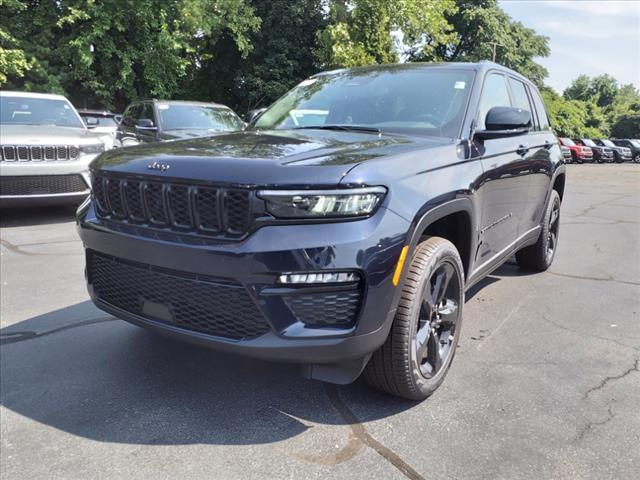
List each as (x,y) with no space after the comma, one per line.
(505,184)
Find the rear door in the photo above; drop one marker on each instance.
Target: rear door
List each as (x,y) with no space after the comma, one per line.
(505,180)
(542,144)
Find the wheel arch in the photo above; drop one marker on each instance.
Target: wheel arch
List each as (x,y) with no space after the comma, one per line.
(559,183)
(453,220)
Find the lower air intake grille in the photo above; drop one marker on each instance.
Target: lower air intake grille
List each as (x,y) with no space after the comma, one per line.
(185,300)
(41,184)
(326,309)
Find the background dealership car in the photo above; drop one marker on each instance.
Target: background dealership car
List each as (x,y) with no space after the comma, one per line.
(620,154)
(579,153)
(566,154)
(100,121)
(631,144)
(45,149)
(156,120)
(600,154)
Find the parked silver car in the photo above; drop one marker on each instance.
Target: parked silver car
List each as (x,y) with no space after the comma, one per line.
(45,150)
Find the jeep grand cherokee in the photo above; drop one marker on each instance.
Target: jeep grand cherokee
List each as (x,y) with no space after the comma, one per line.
(342,229)
(45,150)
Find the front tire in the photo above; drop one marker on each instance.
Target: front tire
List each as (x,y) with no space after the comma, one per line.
(539,256)
(418,352)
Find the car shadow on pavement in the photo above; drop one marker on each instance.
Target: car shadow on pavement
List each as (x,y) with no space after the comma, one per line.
(84,372)
(25,216)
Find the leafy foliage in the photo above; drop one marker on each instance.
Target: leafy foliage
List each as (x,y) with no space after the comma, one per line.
(246,53)
(480,26)
(364,32)
(281,56)
(595,107)
(112,52)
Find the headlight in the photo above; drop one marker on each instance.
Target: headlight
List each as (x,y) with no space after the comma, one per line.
(92,149)
(355,202)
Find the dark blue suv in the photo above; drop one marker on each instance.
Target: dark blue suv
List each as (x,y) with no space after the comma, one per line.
(340,230)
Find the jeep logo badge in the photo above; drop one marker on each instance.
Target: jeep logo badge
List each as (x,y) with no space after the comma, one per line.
(163,167)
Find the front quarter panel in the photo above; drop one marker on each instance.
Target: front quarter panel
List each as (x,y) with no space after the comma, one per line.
(427,184)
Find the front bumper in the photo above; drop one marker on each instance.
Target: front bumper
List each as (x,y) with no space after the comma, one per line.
(369,247)
(56,171)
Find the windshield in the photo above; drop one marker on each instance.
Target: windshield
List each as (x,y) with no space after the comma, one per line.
(588,142)
(187,117)
(38,111)
(568,142)
(635,143)
(420,100)
(608,143)
(102,121)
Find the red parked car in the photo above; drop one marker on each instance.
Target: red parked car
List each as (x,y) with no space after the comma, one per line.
(579,153)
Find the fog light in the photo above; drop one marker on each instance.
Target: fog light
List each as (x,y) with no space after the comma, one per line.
(315,278)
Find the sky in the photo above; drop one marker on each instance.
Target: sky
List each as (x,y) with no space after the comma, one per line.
(590,37)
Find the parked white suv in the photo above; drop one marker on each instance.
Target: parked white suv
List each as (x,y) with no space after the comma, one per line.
(45,150)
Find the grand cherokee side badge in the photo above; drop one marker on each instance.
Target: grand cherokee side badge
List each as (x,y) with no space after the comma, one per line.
(163,167)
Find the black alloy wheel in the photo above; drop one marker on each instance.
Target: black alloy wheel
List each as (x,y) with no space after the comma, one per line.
(418,352)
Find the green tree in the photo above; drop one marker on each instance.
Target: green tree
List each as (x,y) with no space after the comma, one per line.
(627,124)
(574,118)
(604,90)
(580,89)
(281,56)
(109,52)
(364,32)
(13,61)
(479,26)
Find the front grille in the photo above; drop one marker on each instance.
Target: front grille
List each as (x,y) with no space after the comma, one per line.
(189,301)
(196,209)
(325,309)
(41,184)
(38,153)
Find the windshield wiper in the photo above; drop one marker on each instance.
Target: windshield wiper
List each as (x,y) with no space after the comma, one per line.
(346,128)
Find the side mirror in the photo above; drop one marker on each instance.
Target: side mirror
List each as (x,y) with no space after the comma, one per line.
(91,122)
(146,124)
(505,122)
(118,119)
(253,115)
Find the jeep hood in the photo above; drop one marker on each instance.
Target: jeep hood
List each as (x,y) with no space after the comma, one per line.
(47,135)
(261,158)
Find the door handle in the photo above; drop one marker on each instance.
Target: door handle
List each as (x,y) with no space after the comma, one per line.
(522,150)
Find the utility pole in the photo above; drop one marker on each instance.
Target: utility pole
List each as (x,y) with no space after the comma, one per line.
(495,44)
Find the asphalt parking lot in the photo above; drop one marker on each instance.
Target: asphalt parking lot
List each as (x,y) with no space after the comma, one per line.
(545,383)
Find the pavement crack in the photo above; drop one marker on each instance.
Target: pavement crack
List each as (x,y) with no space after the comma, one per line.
(601,385)
(605,381)
(18,250)
(360,432)
(15,337)
(546,318)
(589,426)
(608,278)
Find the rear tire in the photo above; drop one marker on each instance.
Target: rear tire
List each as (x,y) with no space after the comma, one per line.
(539,256)
(418,352)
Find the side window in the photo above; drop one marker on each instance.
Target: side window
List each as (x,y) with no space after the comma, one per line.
(542,113)
(520,97)
(147,112)
(494,94)
(130,115)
